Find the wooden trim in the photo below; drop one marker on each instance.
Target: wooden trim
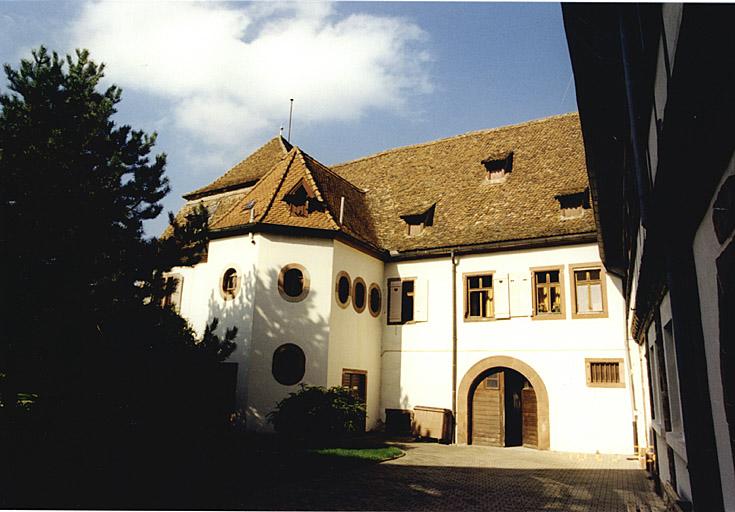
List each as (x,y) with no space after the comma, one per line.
(375,286)
(603,281)
(621,372)
(340,275)
(480,368)
(306,282)
(465,296)
(549,316)
(358,372)
(230,295)
(354,291)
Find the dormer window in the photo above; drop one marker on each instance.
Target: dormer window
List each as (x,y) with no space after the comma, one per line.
(497,169)
(573,203)
(302,200)
(416,222)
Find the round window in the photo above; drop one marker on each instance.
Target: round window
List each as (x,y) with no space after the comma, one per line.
(343,289)
(289,364)
(293,282)
(375,300)
(230,284)
(359,291)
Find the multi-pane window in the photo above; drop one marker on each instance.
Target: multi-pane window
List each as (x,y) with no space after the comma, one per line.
(589,299)
(478,296)
(604,372)
(548,298)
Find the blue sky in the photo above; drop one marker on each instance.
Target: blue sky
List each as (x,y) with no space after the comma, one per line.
(214,79)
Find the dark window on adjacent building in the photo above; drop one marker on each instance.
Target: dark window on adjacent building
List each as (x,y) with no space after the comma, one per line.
(359,294)
(289,364)
(375,301)
(478,296)
(400,300)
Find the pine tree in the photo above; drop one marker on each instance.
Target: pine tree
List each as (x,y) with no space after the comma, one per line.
(81,290)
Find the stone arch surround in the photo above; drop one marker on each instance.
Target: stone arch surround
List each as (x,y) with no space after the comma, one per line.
(542,396)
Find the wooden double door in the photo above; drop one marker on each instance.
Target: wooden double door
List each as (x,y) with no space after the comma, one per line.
(503,410)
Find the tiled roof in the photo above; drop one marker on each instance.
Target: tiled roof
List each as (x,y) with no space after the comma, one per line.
(248,171)
(548,160)
(267,199)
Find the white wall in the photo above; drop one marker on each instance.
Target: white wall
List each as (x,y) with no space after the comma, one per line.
(354,338)
(201,300)
(417,357)
(277,321)
(706,251)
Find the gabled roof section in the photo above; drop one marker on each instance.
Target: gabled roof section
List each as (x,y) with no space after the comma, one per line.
(248,171)
(548,159)
(267,202)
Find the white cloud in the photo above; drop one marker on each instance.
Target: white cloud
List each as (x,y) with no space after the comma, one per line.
(229,71)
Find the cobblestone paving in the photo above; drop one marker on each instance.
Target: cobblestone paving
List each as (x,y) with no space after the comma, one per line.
(467,478)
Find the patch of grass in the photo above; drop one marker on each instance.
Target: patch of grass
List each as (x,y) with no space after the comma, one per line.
(365,454)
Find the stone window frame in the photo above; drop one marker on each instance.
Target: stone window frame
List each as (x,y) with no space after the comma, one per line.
(573,284)
(562,315)
(466,294)
(306,282)
(353,294)
(375,286)
(230,294)
(621,372)
(340,275)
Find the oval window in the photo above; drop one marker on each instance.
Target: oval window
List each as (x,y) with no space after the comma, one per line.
(343,289)
(375,300)
(230,284)
(359,291)
(289,364)
(293,282)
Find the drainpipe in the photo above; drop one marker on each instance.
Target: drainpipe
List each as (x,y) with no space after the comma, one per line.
(454,347)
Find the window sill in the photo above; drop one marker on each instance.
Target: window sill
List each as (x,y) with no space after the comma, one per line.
(549,316)
(578,316)
(479,319)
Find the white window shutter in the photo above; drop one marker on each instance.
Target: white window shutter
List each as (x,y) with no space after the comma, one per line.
(421,300)
(520,294)
(394,301)
(500,296)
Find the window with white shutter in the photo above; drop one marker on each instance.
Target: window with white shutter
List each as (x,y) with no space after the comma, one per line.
(502,304)
(407,300)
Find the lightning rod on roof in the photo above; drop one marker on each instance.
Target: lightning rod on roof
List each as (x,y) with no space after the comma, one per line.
(290,115)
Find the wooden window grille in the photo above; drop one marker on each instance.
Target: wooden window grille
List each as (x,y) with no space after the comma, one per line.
(548,292)
(479,296)
(492,381)
(604,372)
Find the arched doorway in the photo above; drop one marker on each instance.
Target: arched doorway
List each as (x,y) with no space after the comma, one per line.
(503,402)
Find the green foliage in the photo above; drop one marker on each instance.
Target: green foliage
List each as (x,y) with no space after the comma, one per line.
(315,414)
(83,327)
(362,454)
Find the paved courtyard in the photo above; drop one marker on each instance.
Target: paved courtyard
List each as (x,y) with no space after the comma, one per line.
(439,477)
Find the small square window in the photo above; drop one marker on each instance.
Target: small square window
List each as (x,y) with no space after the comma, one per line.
(604,373)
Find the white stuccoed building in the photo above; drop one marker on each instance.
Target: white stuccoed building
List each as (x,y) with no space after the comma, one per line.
(459,275)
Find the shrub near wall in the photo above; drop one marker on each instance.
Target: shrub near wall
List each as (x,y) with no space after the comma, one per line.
(316,415)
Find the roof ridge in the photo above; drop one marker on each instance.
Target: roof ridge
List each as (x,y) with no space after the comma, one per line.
(335,174)
(301,155)
(278,187)
(455,137)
